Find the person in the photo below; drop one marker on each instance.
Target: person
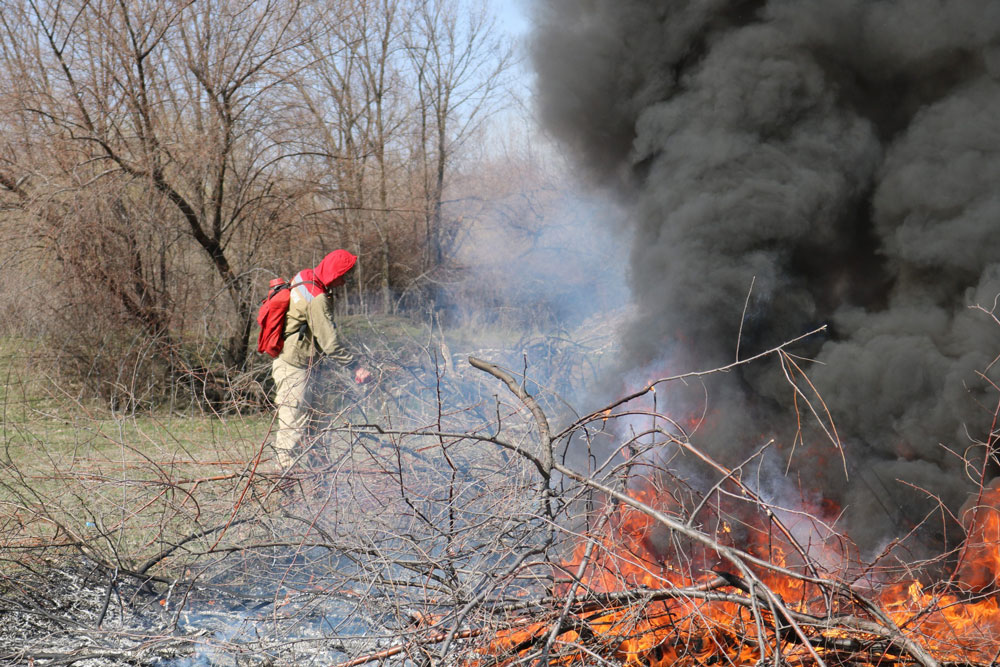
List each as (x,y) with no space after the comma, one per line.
(310,336)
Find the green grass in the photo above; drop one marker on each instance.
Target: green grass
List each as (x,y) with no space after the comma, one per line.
(127,485)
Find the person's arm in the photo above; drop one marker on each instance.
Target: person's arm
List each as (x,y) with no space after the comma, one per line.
(324,331)
(328,339)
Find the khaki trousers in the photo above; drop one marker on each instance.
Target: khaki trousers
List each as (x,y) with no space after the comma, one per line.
(292,398)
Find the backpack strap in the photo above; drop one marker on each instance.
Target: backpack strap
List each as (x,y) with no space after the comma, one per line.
(308,282)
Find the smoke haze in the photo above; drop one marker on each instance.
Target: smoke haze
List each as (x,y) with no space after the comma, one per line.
(836,160)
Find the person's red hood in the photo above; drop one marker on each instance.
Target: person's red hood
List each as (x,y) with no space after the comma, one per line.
(334,265)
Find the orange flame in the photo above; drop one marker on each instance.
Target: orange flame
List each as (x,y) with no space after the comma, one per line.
(664,620)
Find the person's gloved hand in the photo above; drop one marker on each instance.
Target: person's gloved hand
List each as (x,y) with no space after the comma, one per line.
(362,375)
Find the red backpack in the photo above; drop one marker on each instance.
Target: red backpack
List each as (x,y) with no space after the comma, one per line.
(271,317)
(272,312)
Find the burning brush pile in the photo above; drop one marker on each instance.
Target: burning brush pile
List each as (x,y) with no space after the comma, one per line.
(664,574)
(752,592)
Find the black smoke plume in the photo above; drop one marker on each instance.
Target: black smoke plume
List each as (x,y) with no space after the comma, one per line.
(842,157)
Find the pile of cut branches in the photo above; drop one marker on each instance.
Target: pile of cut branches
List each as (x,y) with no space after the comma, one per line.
(462,515)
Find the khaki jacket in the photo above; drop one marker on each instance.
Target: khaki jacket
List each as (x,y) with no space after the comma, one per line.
(310,332)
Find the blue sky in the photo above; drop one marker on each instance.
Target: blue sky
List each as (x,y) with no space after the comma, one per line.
(512,15)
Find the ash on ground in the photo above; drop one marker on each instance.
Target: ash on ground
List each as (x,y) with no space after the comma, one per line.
(76,613)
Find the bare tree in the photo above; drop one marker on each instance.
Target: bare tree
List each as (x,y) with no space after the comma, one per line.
(188,138)
(163,109)
(396,88)
(460,65)
(358,104)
